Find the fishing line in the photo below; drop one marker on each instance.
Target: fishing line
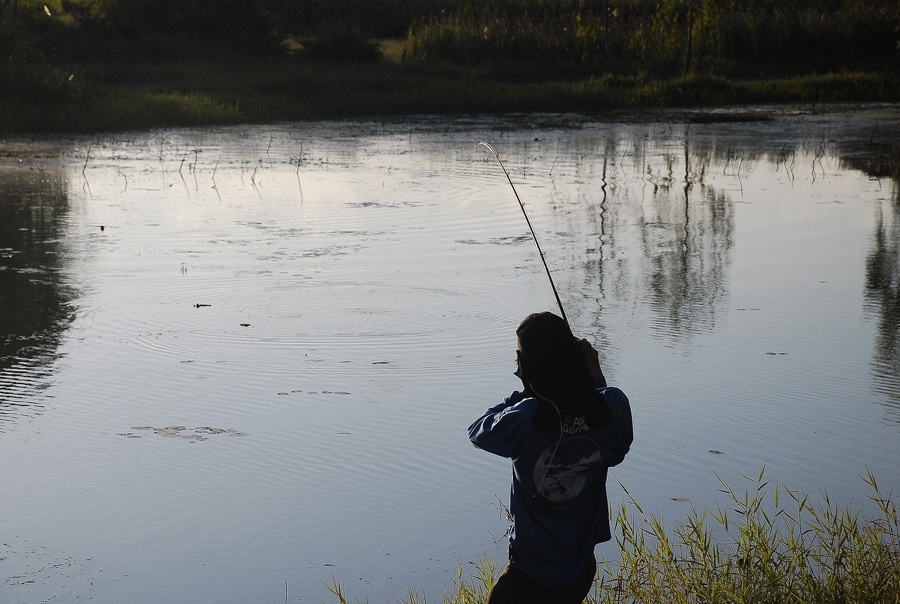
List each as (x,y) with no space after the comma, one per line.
(531,228)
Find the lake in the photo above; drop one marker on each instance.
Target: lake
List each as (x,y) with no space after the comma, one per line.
(239,359)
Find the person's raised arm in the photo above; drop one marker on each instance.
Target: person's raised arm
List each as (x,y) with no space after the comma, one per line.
(592,360)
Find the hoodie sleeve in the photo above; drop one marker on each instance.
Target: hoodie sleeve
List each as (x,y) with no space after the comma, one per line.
(620,431)
(500,429)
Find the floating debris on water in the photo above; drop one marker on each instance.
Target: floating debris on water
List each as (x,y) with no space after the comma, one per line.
(335,392)
(192,434)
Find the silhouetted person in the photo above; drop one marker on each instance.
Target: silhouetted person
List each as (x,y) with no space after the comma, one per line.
(563,431)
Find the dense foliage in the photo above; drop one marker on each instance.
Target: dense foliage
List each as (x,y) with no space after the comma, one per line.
(613,35)
(731,37)
(117,63)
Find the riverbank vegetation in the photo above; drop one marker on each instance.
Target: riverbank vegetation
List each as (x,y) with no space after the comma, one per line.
(766,544)
(90,65)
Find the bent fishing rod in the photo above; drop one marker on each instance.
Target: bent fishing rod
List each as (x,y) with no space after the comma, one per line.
(531,228)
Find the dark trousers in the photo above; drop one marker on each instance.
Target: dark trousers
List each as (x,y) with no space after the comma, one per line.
(515,587)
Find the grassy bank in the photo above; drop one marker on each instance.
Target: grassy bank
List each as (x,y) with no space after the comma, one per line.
(111,97)
(767,544)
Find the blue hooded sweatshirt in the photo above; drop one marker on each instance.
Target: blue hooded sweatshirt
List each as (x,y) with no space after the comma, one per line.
(558,497)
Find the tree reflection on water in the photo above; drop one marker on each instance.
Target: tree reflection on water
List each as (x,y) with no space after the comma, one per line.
(883,297)
(34,292)
(677,239)
(686,228)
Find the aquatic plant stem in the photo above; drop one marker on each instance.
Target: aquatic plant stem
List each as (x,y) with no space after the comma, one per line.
(531,228)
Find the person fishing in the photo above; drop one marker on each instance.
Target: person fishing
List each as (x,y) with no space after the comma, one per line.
(563,431)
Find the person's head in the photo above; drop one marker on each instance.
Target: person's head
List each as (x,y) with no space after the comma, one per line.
(550,358)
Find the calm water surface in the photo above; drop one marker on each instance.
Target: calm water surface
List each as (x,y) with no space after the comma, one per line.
(232,359)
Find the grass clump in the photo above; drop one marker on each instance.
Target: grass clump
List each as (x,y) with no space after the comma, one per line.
(793,551)
(776,549)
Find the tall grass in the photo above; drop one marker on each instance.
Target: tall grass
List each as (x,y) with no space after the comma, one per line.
(664,37)
(767,544)
(759,548)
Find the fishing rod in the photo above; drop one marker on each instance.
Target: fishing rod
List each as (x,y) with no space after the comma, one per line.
(531,228)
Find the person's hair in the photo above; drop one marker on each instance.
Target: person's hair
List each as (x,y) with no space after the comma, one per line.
(553,368)
(551,359)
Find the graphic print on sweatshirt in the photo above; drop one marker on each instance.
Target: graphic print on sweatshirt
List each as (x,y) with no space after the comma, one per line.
(562,470)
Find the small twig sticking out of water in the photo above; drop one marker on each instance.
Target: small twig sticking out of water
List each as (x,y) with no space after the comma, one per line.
(216,167)
(820,153)
(253,176)
(299,185)
(271,138)
(793,162)
(193,170)
(298,159)
(603,179)
(688,182)
(285,591)
(214,186)
(119,172)
(181,174)
(87,185)
(184,182)
(817,159)
(783,156)
(87,158)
